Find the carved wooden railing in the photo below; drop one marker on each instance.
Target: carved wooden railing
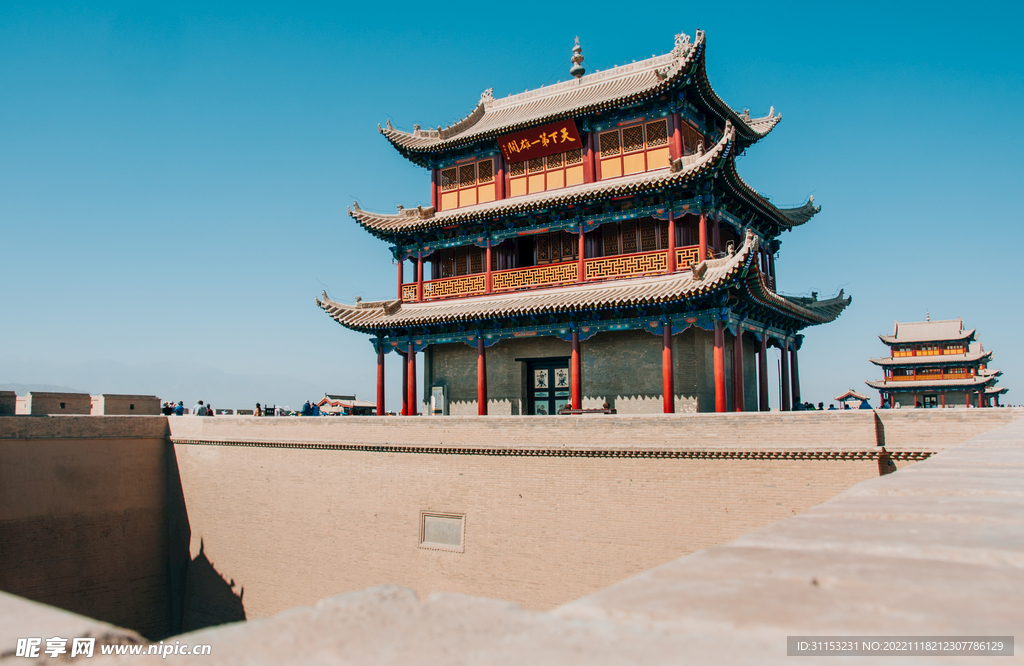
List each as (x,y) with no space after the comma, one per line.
(513,279)
(925,378)
(627,265)
(535,276)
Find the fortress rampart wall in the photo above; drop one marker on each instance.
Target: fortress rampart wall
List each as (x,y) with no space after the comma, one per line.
(83,515)
(96,513)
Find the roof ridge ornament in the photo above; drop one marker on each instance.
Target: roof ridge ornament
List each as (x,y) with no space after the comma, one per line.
(487,98)
(577,68)
(682,43)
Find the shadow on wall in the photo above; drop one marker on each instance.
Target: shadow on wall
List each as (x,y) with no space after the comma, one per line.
(199,595)
(210,599)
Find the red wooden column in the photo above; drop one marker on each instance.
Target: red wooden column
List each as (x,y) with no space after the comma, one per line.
(702,251)
(401,267)
(667,384)
(380,382)
(419,275)
(738,402)
(671,241)
(410,360)
(500,180)
(577,371)
(795,375)
(677,137)
(481,377)
(943,400)
(489,275)
(762,376)
(405,383)
(720,401)
(581,273)
(982,391)
(590,169)
(784,370)
(433,188)
(967,399)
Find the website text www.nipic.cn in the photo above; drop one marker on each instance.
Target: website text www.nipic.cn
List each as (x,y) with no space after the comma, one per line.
(33,648)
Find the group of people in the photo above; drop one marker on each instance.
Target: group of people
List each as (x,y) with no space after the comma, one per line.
(198,409)
(310,408)
(809,406)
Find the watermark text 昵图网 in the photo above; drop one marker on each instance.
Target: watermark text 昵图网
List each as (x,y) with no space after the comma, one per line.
(57,646)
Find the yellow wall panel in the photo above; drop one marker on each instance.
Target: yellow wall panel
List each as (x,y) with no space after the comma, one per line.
(486,193)
(657,158)
(467,197)
(517,187)
(633,163)
(556,179)
(611,168)
(574,175)
(449,200)
(536,183)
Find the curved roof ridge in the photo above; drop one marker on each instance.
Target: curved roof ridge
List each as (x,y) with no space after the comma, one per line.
(591,92)
(800,214)
(759,127)
(787,217)
(410,219)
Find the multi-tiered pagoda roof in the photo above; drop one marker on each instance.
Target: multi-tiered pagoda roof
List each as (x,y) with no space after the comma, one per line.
(633,218)
(935,357)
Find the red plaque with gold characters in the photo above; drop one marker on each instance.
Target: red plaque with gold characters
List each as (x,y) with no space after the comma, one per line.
(540,141)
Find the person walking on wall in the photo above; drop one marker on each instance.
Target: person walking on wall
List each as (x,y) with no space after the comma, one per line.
(179,409)
(198,409)
(258,411)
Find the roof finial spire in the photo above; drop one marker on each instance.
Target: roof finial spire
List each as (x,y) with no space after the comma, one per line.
(577,69)
(927,315)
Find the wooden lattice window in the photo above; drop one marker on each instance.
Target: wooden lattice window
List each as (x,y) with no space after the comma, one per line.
(929,372)
(546,173)
(691,138)
(648,235)
(556,247)
(955,348)
(476,261)
(449,179)
(461,265)
(467,184)
(634,149)
(631,236)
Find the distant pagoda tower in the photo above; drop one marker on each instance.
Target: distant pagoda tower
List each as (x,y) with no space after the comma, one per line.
(590,244)
(936,364)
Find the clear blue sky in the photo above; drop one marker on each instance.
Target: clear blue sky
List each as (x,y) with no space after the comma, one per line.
(173,179)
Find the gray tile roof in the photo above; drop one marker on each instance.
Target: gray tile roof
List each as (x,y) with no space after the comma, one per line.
(414,219)
(368,317)
(928,331)
(970,357)
(592,93)
(910,386)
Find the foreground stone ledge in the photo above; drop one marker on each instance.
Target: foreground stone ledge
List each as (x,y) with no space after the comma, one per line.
(21,618)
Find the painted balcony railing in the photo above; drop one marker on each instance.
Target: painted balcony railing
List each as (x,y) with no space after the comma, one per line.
(514,279)
(932,377)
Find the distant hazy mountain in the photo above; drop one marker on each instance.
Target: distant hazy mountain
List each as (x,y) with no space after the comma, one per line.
(22,389)
(170,381)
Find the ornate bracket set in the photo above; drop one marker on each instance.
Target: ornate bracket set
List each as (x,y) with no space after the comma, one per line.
(703,319)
